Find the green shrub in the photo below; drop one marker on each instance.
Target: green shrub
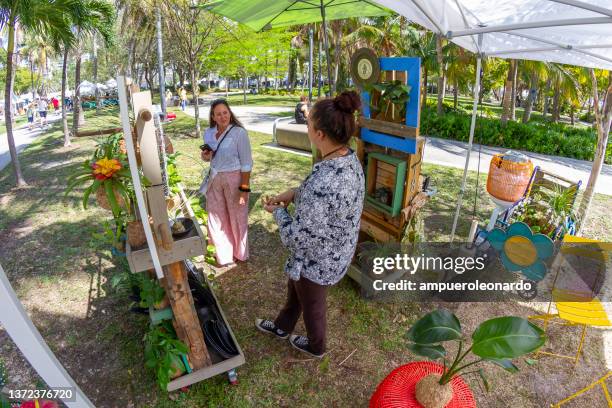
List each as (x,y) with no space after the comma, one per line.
(538,137)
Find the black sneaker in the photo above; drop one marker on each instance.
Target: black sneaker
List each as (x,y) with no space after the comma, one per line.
(301,343)
(268,326)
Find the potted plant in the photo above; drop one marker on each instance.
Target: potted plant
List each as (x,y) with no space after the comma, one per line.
(110,179)
(497,340)
(163,353)
(389,100)
(549,212)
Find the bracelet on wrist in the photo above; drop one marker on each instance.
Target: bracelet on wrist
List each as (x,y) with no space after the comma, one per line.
(244,189)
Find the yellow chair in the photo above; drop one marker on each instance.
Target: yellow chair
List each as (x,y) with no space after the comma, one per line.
(601,381)
(578,308)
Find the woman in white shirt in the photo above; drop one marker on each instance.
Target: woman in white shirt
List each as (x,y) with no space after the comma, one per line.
(227,147)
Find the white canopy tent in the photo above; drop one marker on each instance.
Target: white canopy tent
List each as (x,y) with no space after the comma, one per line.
(565,31)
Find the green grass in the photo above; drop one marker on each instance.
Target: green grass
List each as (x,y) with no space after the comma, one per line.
(18,123)
(264,100)
(62,276)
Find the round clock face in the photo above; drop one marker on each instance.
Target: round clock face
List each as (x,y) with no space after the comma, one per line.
(364,68)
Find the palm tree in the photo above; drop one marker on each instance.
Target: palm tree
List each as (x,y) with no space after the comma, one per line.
(90,17)
(565,87)
(508,101)
(459,70)
(44,17)
(536,72)
(441,76)
(421,44)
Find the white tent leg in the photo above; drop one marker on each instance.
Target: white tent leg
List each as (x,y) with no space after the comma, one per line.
(25,335)
(469,149)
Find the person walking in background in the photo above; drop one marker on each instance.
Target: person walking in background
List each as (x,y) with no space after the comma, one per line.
(55,103)
(321,236)
(301,110)
(168,97)
(227,185)
(183,94)
(43,106)
(30,115)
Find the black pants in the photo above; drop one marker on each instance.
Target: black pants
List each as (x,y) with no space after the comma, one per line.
(305,296)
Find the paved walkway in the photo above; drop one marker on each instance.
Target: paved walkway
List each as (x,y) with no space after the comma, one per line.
(23,137)
(444,152)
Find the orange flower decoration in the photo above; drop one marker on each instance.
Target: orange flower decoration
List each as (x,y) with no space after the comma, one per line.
(105,168)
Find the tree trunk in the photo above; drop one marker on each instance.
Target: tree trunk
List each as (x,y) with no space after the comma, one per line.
(64,83)
(455,94)
(572,110)
(8,93)
(337,49)
(556,110)
(533,93)
(603,120)
(276,73)
(32,78)
(441,79)
(196,93)
(514,87)
(76,100)
(424,99)
(546,99)
(507,101)
(245,82)
(95,73)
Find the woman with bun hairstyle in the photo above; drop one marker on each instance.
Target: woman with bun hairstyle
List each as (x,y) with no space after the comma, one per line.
(321,236)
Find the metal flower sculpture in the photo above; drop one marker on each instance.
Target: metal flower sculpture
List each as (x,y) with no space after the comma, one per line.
(521,250)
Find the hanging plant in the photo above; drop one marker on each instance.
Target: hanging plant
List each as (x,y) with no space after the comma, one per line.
(110,179)
(391,102)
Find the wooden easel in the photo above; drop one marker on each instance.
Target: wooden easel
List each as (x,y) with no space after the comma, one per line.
(163,253)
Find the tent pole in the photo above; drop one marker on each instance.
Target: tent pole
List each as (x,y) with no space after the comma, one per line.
(160,63)
(329,77)
(469,149)
(310,46)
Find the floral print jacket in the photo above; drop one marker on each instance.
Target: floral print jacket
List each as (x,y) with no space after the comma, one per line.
(322,234)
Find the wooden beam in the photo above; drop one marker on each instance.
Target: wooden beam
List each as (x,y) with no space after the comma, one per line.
(181,300)
(99,132)
(389,128)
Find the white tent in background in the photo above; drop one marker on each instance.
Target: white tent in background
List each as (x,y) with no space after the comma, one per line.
(576,32)
(87,88)
(111,84)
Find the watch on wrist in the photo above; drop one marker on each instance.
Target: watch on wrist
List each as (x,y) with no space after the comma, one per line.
(244,188)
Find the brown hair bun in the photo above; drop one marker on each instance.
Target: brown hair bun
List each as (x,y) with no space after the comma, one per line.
(336,116)
(347,102)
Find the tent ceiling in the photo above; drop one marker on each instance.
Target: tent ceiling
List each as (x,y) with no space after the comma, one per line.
(565,31)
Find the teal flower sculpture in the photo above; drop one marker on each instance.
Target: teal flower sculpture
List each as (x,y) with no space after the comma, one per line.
(521,250)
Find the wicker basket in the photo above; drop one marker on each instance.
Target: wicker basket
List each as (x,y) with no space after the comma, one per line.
(103,200)
(135,234)
(508,179)
(397,390)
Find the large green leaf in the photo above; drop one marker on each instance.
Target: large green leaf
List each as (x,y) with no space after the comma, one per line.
(505,364)
(439,325)
(432,352)
(506,337)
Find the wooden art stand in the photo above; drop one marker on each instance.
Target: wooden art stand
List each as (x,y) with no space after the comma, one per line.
(391,153)
(162,252)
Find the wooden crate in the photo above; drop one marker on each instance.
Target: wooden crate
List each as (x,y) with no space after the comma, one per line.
(413,173)
(219,366)
(187,247)
(388,173)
